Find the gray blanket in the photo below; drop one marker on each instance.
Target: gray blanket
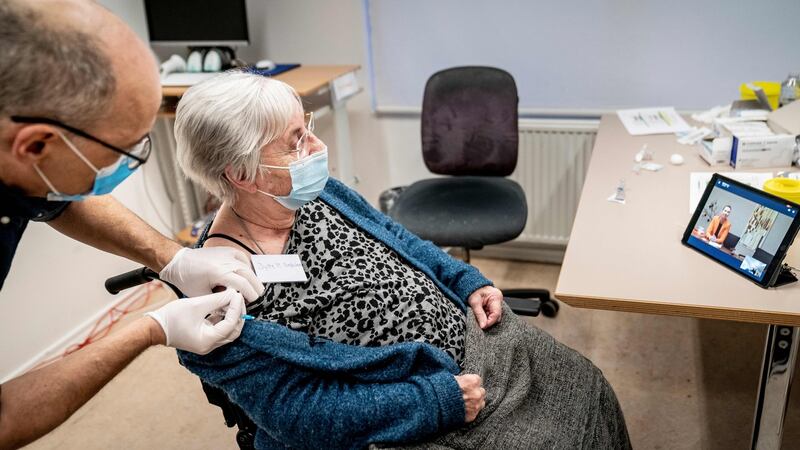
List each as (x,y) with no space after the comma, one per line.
(540,394)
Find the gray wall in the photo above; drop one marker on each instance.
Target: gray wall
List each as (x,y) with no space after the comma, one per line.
(579,55)
(131,11)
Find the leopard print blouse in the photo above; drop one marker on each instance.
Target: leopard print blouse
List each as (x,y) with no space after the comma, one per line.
(359,291)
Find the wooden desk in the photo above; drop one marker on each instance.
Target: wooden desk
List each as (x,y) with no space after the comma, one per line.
(314,84)
(629,258)
(306,80)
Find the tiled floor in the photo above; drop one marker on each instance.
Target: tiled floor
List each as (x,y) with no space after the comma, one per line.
(683,383)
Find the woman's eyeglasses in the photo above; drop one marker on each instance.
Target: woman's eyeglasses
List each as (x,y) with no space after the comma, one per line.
(303,144)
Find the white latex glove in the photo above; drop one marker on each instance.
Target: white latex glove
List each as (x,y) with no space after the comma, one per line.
(186,327)
(197,271)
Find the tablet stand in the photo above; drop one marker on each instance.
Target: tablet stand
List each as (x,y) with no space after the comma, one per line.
(784,277)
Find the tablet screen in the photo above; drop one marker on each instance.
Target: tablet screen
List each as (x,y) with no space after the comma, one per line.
(742,227)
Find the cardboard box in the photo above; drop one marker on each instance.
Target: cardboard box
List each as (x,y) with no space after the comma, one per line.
(755,144)
(787,120)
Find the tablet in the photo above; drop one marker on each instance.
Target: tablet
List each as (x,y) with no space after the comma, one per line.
(743,228)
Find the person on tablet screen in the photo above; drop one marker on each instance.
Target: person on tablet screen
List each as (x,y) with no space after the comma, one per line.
(719,227)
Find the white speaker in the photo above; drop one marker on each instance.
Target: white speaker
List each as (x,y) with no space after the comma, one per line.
(195,61)
(174,64)
(212,61)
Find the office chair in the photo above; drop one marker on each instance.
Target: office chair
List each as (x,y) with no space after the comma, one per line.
(469,132)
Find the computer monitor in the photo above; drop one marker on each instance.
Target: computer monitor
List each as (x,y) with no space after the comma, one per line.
(197,23)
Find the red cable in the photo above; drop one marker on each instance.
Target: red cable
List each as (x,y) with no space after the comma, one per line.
(131,304)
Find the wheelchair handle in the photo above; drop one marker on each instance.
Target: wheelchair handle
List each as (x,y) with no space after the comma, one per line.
(130,279)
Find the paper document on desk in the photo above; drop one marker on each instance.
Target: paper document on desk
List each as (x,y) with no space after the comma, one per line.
(644,121)
(699,180)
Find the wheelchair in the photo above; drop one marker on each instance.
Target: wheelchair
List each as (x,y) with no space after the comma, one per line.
(233,415)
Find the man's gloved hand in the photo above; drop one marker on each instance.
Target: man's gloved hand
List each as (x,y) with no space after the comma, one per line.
(186,327)
(198,271)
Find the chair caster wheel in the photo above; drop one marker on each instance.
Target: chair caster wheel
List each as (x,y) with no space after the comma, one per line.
(549,308)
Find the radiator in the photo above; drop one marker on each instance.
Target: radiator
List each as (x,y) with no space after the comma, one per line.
(553,158)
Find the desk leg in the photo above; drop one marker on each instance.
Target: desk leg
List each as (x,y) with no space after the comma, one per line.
(777,369)
(344,160)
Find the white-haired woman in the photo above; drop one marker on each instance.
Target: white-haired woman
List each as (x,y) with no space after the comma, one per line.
(368,348)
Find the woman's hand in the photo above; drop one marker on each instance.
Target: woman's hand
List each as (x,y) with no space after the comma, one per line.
(487,304)
(474,395)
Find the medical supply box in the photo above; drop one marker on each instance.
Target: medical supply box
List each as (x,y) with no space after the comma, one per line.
(716,152)
(751,144)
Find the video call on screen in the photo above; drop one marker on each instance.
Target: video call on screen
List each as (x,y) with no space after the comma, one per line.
(741,228)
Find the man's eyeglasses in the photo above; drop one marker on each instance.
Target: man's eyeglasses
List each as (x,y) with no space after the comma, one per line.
(138,153)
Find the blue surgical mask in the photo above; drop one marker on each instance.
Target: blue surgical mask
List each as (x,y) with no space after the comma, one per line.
(309,176)
(105,180)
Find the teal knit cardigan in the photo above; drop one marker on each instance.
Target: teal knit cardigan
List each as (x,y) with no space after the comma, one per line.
(307,392)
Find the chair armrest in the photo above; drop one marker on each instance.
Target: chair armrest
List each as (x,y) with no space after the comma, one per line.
(388,198)
(524,306)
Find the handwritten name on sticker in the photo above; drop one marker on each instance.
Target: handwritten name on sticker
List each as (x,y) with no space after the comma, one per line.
(279,268)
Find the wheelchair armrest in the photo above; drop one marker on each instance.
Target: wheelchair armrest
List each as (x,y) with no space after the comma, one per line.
(130,279)
(134,278)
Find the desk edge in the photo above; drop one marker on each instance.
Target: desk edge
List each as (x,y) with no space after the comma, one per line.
(680,310)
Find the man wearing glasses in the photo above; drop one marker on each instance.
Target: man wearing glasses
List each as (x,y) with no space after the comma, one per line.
(79,93)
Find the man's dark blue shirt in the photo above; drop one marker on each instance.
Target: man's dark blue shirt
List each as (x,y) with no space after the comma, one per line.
(16,209)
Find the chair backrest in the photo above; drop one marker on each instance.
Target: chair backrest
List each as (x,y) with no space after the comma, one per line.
(730,241)
(469,122)
(762,255)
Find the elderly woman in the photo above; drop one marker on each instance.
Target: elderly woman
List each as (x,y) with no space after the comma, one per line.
(366,349)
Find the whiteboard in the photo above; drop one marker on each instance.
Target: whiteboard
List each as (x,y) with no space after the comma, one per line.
(585,56)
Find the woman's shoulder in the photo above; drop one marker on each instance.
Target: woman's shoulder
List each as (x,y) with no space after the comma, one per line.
(222,233)
(344,199)
(336,188)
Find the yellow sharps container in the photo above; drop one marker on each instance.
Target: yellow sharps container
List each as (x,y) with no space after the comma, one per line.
(785,188)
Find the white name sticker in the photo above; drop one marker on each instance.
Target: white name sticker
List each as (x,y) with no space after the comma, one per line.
(278,268)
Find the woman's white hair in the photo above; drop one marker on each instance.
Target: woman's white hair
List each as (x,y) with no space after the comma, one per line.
(226,121)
